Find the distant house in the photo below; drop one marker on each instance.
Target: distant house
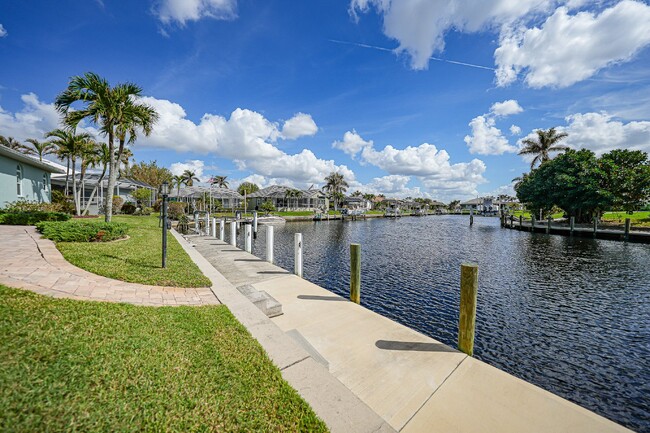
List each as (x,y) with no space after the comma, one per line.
(481,205)
(123,188)
(229,199)
(357,203)
(24,178)
(284,198)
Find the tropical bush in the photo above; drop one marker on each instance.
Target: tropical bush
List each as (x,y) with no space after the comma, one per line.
(117,203)
(32,206)
(143,211)
(267,207)
(183,224)
(175,209)
(31,218)
(128,208)
(63,201)
(82,231)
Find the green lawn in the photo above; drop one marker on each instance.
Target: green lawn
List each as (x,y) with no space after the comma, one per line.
(100,367)
(526,214)
(637,218)
(137,259)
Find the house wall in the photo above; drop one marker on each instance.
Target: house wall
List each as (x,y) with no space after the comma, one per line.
(33,186)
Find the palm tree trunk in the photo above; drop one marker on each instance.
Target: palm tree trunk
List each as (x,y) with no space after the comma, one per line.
(112,178)
(74,187)
(92,194)
(67,177)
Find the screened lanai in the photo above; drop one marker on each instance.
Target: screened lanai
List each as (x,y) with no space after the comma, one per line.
(285,198)
(228,198)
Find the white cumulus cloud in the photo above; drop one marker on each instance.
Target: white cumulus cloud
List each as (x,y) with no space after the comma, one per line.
(352,143)
(182,11)
(486,138)
(506,108)
(570,48)
(299,125)
(3,31)
(601,133)
(515,130)
(196,166)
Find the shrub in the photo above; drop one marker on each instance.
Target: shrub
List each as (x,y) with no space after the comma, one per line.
(267,207)
(31,218)
(157,205)
(32,206)
(63,201)
(128,208)
(117,203)
(175,209)
(82,231)
(144,211)
(183,224)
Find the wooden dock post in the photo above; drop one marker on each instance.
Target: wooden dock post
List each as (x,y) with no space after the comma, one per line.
(222,229)
(355,273)
(248,242)
(532,223)
(471,217)
(595,226)
(572,224)
(269,244)
(468,297)
(628,223)
(521,221)
(548,225)
(233,233)
(298,254)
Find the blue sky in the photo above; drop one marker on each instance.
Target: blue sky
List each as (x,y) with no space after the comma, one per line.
(287,91)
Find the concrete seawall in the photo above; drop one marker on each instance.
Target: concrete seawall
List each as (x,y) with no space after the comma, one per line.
(413,382)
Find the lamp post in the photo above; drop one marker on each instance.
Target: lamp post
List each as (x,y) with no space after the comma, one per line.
(165,193)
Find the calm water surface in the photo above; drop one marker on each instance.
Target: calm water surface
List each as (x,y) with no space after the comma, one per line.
(571,315)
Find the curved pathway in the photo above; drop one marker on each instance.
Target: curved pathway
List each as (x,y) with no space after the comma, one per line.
(29,262)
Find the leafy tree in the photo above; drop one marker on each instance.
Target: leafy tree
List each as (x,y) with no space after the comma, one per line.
(452,205)
(150,173)
(267,207)
(546,142)
(247,188)
(41,148)
(626,175)
(335,186)
(115,110)
(142,195)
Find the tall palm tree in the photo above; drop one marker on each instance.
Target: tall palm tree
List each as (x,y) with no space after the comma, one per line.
(41,147)
(114,109)
(12,143)
(335,186)
(100,156)
(546,142)
(71,145)
(125,161)
(189,177)
(219,181)
(178,181)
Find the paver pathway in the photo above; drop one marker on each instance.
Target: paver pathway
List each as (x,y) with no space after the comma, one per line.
(29,262)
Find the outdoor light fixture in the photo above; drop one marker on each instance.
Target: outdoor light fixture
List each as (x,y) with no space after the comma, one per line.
(165,192)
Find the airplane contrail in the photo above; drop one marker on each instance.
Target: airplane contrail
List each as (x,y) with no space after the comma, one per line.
(438,59)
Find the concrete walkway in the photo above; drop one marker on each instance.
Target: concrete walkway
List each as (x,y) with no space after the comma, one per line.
(29,262)
(413,382)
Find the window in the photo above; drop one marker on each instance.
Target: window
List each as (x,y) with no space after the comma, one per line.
(19,180)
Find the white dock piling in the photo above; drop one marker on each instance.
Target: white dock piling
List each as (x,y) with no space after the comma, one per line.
(269,244)
(222,229)
(298,254)
(233,233)
(214,228)
(248,235)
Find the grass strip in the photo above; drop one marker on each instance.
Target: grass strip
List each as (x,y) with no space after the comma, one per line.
(137,259)
(69,365)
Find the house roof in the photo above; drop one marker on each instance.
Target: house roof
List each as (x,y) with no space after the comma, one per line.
(26,159)
(93,178)
(199,191)
(478,200)
(437,203)
(280,191)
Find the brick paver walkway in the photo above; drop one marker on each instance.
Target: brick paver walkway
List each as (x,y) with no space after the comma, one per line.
(31,263)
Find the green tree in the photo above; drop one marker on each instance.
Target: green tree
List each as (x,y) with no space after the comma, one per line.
(545,144)
(150,173)
(14,144)
(335,186)
(189,177)
(219,181)
(247,188)
(41,148)
(626,178)
(142,195)
(115,110)
(178,181)
(267,207)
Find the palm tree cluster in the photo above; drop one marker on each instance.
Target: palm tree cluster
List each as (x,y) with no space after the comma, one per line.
(335,187)
(295,194)
(115,110)
(545,144)
(37,147)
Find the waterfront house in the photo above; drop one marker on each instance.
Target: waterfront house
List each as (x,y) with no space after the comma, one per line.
(485,205)
(285,198)
(357,203)
(123,188)
(228,198)
(23,177)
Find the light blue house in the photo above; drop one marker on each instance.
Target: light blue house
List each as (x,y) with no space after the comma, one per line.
(24,178)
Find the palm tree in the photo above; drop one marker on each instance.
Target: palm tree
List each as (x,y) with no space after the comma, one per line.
(335,185)
(247,188)
(357,193)
(41,147)
(178,181)
(72,146)
(287,195)
(189,177)
(14,144)
(546,142)
(124,161)
(219,181)
(99,156)
(114,109)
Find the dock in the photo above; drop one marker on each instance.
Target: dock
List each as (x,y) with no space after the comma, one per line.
(412,382)
(598,233)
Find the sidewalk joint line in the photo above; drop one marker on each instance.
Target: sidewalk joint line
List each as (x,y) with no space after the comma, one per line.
(294,363)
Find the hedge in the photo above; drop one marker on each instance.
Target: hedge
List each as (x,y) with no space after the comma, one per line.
(82,231)
(31,218)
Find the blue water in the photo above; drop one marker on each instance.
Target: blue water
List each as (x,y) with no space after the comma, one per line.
(571,315)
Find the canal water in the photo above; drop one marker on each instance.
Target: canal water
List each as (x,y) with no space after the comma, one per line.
(571,315)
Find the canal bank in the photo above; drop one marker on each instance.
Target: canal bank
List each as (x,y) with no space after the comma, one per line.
(413,382)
